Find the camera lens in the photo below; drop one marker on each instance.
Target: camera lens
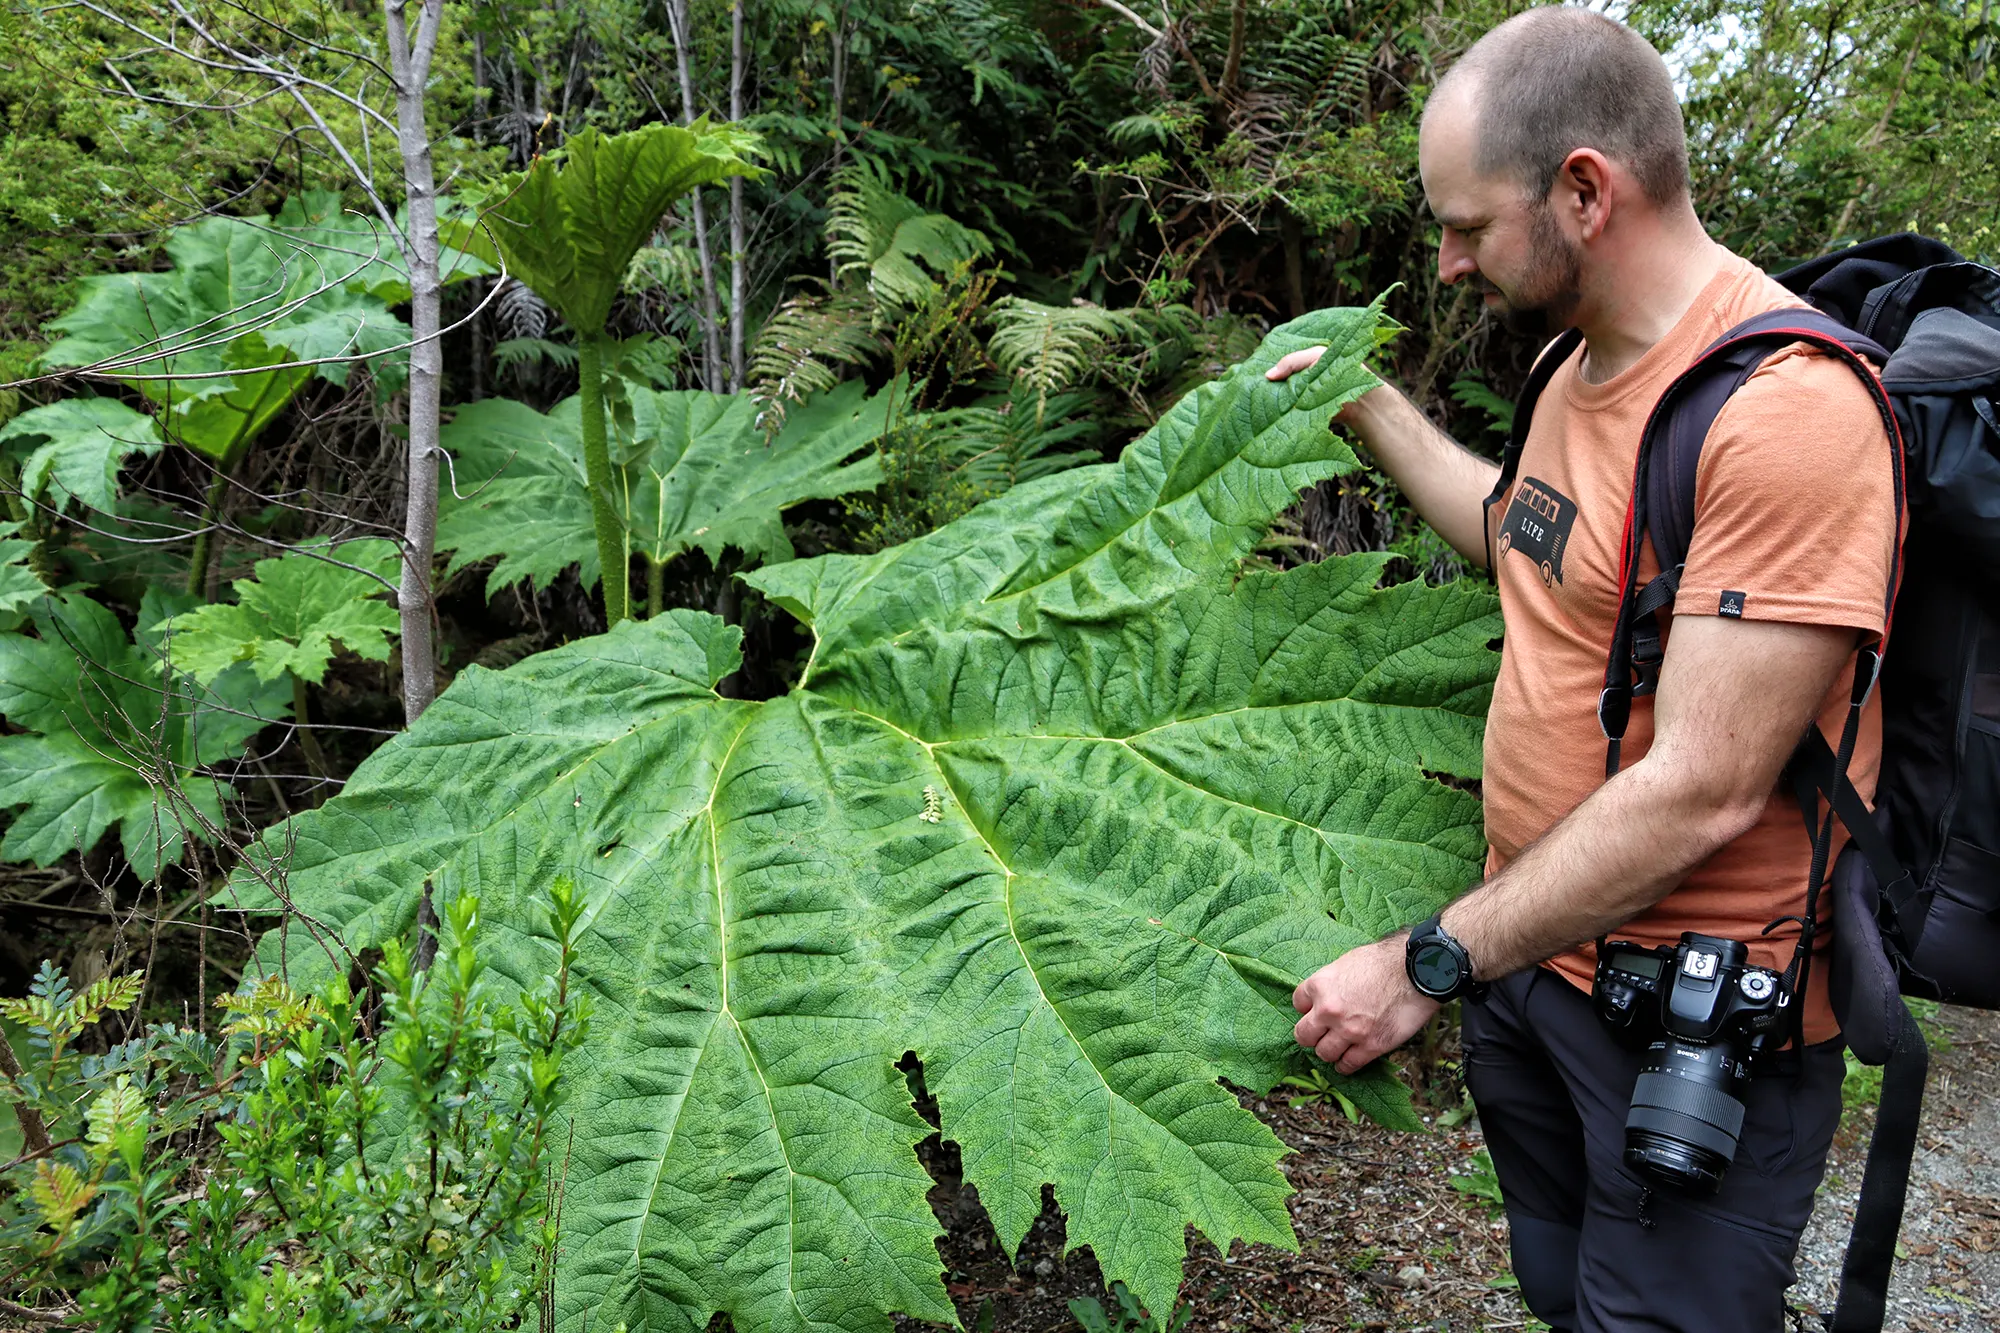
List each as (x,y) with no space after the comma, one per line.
(1685,1117)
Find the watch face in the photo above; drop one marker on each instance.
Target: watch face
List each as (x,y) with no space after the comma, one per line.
(1434,968)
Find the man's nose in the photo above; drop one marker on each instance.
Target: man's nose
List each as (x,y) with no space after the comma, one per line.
(1455,261)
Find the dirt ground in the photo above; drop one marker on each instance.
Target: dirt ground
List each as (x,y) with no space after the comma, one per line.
(1389,1243)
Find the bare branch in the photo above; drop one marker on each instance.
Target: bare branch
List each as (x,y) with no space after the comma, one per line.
(1133,17)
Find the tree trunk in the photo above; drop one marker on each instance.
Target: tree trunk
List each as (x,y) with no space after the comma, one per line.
(839,81)
(711,338)
(737,258)
(1292,235)
(410,52)
(597,473)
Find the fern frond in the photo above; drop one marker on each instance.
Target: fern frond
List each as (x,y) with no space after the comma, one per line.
(1054,347)
(799,350)
(519,312)
(1474,393)
(1144,130)
(519,353)
(888,239)
(1017,436)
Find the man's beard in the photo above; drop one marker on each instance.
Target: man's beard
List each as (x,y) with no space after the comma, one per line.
(1548,293)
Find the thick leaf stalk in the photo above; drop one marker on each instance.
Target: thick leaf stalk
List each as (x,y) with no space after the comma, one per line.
(656,591)
(204,535)
(611,550)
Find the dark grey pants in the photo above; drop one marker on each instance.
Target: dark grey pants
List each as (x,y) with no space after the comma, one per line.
(1596,1251)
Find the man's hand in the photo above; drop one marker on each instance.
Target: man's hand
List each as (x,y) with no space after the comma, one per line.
(1360,1006)
(1352,414)
(1292,363)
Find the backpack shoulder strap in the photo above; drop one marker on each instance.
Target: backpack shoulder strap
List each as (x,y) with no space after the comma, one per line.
(1543,370)
(1878,1214)
(1663,486)
(1687,411)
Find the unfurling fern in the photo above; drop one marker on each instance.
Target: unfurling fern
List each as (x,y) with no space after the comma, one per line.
(881,235)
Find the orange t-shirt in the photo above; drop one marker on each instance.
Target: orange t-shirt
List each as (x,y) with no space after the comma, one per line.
(1794,521)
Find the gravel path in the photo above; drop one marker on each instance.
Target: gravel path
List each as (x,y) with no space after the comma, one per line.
(1947,1275)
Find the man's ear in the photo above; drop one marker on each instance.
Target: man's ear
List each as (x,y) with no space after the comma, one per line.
(1585,187)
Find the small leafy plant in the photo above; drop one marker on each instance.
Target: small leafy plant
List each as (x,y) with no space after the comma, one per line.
(109,740)
(20,585)
(1480,1183)
(288,620)
(1127,1316)
(300,1173)
(1314,1087)
(72,450)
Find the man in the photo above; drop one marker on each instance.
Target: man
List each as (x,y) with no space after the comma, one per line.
(1554,157)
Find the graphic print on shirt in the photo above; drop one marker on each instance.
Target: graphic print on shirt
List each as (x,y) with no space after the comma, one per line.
(1537,525)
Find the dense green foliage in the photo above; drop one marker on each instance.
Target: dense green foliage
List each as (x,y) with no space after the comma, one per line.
(1061,804)
(108,739)
(1024,725)
(96,163)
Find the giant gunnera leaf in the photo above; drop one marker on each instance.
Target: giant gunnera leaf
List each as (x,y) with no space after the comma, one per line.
(110,739)
(1065,804)
(244,296)
(689,470)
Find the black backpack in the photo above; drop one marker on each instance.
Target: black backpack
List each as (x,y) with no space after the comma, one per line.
(1917,888)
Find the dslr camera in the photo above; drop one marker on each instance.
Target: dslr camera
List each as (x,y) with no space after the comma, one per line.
(1701,1014)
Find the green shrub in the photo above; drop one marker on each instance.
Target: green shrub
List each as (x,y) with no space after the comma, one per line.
(306,1172)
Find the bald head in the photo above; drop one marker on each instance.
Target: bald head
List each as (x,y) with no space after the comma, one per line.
(1550,81)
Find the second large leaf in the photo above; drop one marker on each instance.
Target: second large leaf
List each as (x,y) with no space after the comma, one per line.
(691,470)
(1065,804)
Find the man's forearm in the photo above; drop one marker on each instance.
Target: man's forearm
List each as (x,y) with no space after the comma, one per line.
(1621,851)
(1446,483)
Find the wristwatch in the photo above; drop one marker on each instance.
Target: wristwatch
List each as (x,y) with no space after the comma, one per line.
(1438,965)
